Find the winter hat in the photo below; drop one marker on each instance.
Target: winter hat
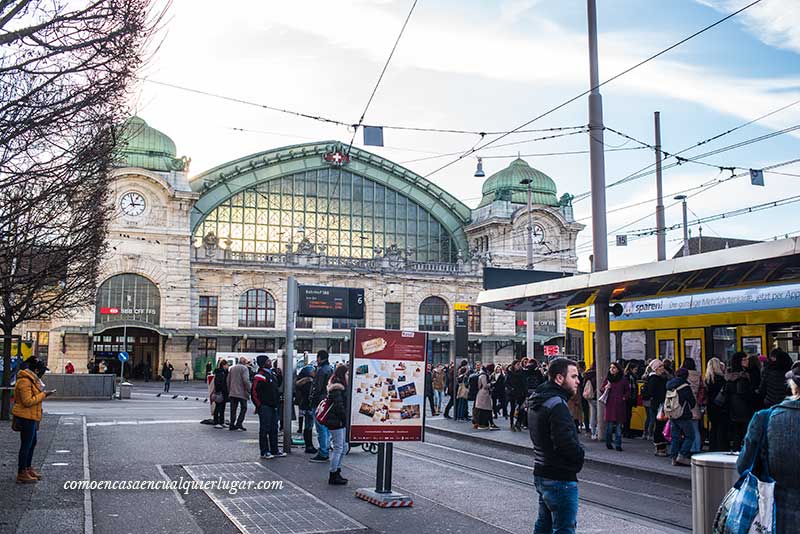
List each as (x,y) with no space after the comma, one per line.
(655,365)
(262,360)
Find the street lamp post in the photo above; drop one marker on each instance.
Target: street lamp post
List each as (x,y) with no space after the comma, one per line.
(682,198)
(529,352)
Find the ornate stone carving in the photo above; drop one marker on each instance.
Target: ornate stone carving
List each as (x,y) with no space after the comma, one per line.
(210,243)
(306,247)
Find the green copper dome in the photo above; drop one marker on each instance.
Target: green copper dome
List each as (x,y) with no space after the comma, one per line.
(505,185)
(143,146)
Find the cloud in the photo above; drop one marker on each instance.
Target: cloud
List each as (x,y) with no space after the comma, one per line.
(774,22)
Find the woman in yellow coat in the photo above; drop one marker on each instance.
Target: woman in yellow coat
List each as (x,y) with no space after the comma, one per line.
(29,393)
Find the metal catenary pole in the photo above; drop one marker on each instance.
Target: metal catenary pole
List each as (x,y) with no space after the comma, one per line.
(529,339)
(599,223)
(661,232)
(288,362)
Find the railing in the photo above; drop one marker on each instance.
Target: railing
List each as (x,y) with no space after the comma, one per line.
(316,261)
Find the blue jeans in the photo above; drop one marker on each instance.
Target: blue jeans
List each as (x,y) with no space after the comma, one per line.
(682,431)
(268,430)
(323,437)
(438,397)
(27,442)
(558,506)
(337,453)
(610,426)
(650,420)
(461,408)
(697,443)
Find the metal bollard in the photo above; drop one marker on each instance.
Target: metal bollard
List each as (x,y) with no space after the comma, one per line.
(125,389)
(713,474)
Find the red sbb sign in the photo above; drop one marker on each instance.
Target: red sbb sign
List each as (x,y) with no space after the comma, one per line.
(550,350)
(109,311)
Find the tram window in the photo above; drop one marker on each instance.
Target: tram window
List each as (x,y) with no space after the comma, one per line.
(574,343)
(723,342)
(666,349)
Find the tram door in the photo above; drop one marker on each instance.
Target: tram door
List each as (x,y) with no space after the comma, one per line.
(692,346)
(666,343)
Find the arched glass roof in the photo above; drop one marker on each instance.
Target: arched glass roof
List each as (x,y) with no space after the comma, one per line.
(262,202)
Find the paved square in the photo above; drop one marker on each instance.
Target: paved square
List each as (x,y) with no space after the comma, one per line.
(291,510)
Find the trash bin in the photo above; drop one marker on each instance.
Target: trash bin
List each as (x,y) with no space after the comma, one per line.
(125,389)
(713,474)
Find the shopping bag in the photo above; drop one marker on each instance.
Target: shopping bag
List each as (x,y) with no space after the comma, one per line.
(718,527)
(752,509)
(667,433)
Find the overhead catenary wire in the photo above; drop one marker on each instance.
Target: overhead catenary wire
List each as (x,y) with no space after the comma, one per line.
(380,78)
(641,172)
(601,84)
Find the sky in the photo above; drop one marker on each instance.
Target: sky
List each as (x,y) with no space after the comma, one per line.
(492,66)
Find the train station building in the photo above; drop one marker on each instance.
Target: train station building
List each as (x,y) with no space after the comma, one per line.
(198,265)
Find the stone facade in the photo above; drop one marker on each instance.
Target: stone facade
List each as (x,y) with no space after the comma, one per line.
(157,243)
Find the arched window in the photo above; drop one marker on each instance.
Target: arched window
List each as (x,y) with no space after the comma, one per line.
(257,309)
(434,316)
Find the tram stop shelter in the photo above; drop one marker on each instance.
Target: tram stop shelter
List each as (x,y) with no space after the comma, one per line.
(761,263)
(753,285)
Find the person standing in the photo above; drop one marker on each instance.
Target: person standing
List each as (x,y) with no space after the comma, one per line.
(618,390)
(69,368)
(29,393)
(319,391)
(779,450)
(499,392)
(695,381)
(438,379)
(337,423)
(558,455)
(483,399)
(303,385)
(166,374)
(429,389)
(773,389)
(741,397)
(238,392)
(590,394)
(209,368)
(518,389)
(631,372)
(680,416)
(656,385)
(266,398)
(717,407)
(185,372)
(220,393)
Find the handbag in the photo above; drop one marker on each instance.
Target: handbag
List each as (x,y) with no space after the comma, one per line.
(752,508)
(588,390)
(604,397)
(463,391)
(16,426)
(323,411)
(721,398)
(667,433)
(218,398)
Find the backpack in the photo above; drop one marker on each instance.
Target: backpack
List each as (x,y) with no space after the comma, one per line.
(323,411)
(673,408)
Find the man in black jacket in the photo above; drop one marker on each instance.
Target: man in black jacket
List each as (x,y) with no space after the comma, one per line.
(266,397)
(318,392)
(558,455)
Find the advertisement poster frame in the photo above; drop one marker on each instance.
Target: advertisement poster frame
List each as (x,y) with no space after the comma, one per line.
(389,339)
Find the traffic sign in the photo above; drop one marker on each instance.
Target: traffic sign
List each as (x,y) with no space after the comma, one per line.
(123,357)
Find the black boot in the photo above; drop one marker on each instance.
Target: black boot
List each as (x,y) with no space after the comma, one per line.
(339,473)
(336,479)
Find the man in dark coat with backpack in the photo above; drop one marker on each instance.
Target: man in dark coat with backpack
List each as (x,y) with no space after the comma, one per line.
(319,391)
(678,406)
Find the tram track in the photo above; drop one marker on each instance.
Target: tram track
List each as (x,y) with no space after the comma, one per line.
(469,468)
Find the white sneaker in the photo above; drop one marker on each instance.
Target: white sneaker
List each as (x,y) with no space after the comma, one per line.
(218,426)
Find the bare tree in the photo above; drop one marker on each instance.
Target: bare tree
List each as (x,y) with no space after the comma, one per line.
(66,69)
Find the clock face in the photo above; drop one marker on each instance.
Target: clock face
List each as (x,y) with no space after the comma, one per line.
(538,233)
(132,203)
